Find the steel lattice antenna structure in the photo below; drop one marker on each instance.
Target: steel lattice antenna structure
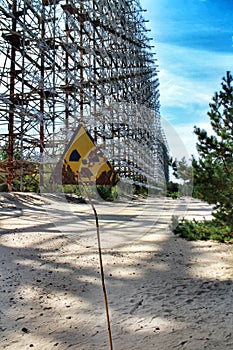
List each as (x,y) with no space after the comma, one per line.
(69,61)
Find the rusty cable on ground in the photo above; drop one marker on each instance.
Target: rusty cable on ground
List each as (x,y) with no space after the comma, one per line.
(101,265)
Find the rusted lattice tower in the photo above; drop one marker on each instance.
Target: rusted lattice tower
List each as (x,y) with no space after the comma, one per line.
(69,61)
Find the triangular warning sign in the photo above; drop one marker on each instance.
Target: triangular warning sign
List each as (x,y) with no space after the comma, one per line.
(82,161)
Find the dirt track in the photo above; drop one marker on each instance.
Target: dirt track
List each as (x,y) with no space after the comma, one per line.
(164,293)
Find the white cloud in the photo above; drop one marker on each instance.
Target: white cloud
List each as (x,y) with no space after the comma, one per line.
(190,76)
(179,91)
(188,80)
(182,139)
(178,147)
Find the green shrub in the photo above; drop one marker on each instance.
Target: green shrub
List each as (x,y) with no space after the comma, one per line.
(140,190)
(193,230)
(108,193)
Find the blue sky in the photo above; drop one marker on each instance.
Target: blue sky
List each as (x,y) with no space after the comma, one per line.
(194,46)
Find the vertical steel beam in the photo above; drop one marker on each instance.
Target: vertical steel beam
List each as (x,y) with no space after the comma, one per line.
(11,136)
(42,104)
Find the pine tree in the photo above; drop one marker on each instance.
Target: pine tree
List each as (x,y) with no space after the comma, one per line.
(214,169)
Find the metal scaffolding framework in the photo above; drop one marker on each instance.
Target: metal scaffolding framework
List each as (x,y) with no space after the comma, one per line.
(65,62)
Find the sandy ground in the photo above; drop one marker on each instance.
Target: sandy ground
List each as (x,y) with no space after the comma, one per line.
(164,292)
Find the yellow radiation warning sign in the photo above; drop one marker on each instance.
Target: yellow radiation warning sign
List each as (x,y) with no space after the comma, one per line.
(83,161)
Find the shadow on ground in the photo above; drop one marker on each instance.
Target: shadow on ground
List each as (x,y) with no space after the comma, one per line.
(164,293)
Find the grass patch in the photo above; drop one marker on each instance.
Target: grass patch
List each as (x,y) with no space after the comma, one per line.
(194,230)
